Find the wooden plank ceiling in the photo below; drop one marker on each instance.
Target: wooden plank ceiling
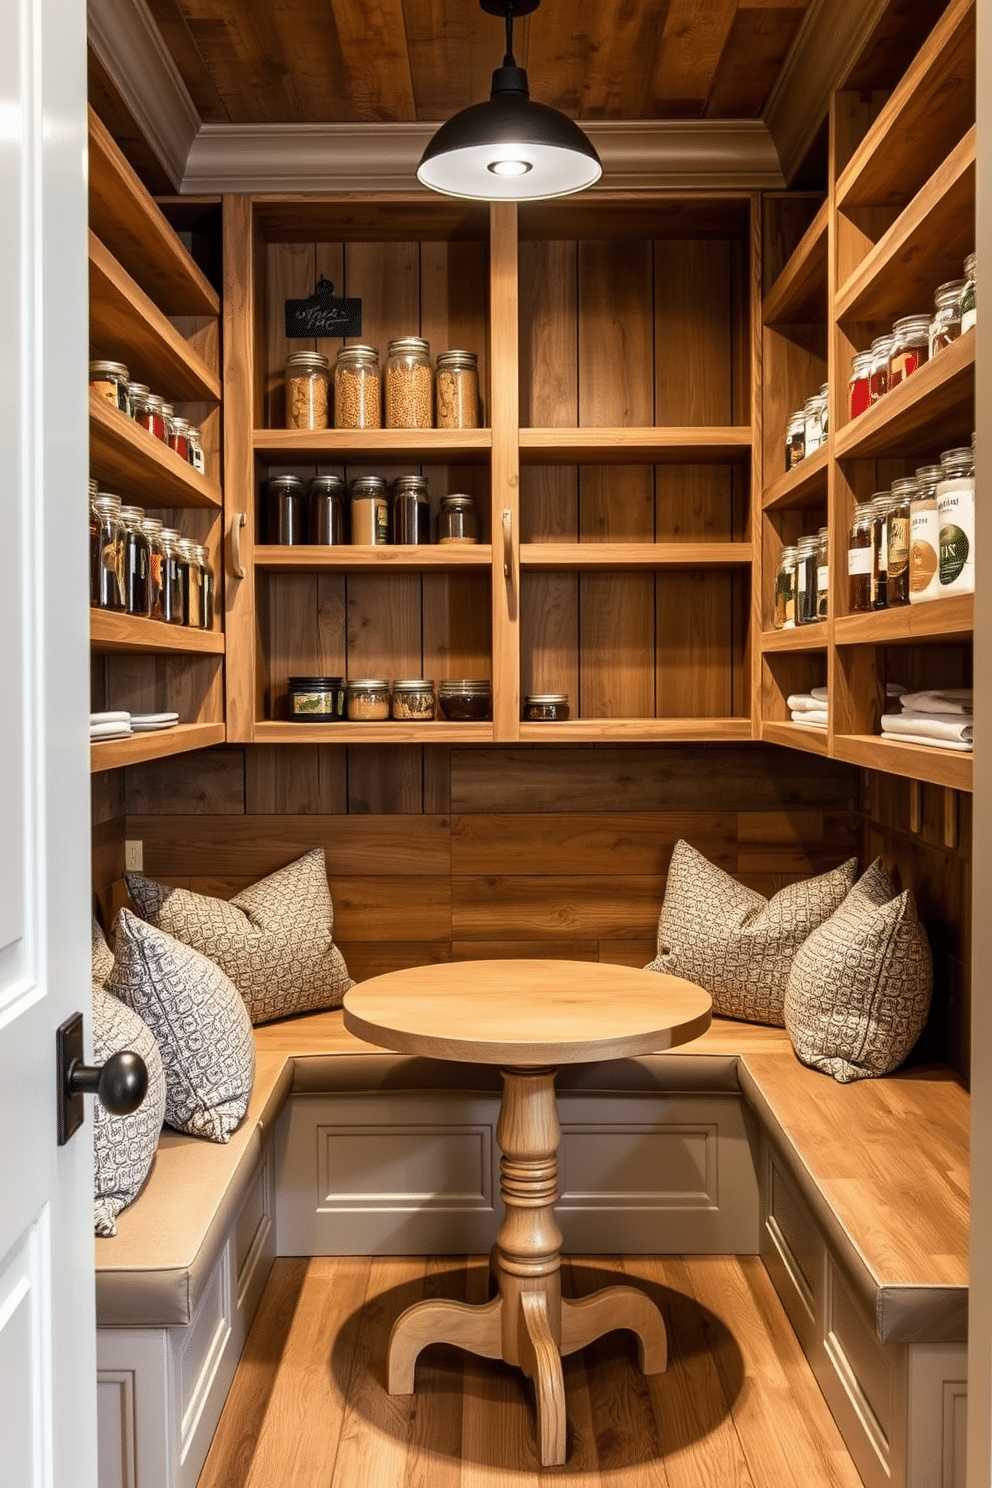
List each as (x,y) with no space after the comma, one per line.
(377,61)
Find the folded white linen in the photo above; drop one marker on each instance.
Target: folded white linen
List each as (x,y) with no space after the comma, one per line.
(949,700)
(110,718)
(932,725)
(819,694)
(804,702)
(816,716)
(807,720)
(109,731)
(963,747)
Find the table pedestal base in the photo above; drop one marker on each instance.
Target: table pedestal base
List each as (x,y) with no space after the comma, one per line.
(529,1323)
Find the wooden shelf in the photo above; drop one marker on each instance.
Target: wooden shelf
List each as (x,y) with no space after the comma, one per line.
(720,445)
(799,294)
(626,556)
(129,461)
(796,736)
(930,411)
(426,557)
(802,638)
(126,218)
(126,326)
(395,731)
(948,619)
(388,446)
(112,632)
(631,730)
(917,761)
(111,754)
(803,486)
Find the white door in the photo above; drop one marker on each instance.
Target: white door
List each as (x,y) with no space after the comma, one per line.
(47,1341)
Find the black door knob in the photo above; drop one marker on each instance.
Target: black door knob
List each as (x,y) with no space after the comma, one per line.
(121,1083)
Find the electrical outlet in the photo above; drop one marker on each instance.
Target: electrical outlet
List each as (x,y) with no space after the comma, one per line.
(134,855)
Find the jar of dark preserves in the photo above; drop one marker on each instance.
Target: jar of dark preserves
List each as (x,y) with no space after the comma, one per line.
(137,562)
(411,510)
(107,590)
(286,511)
(327,501)
(546,707)
(466,699)
(315,699)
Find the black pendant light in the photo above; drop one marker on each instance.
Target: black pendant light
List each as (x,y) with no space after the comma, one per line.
(509,149)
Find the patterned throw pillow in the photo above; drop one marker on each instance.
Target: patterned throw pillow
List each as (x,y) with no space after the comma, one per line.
(735,942)
(859,989)
(274,940)
(199,1022)
(101,955)
(123,1146)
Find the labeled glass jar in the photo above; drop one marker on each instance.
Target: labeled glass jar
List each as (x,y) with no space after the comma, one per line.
(880,550)
(308,380)
(315,699)
(956,510)
(168,418)
(326,500)
(969,307)
(910,347)
(357,388)
(822,573)
(546,707)
(924,536)
(196,457)
(148,413)
(805,600)
(411,510)
(466,699)
(414,700)
(137,562)
(369,511)
(409,384)
(109,380)
(172,589)
(813,415)
(858,381)
(457,521)
(878,377)
(207,587)
(784,616)
(286,510)
(945,323)
(152,528)
(190,583)
(107,590)
(368,700)
(900,502)
(179,438)
(457,390)
(136,391)
(795,440)
(859,560)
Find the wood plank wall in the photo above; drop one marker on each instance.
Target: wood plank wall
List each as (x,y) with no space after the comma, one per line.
(443,853)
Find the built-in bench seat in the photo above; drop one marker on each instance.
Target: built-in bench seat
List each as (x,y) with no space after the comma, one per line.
(860,1212)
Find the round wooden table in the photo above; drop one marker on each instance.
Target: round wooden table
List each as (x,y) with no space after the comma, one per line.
(527,1017)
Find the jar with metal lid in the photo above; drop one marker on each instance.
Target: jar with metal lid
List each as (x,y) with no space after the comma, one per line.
(168,418)
(457,390)
(910,347)
(900,502)
(172,589)
(969,308)
(414,700)
(784,615)
(822,573)
(409,384)
(368,700)
(136,391)
(137,562)
(308,380)
(858,383)
(196,457)
(179,437)
(357,388)
(327,510)
(795,440)
(411,510)
(109,380)
(945,323)
(152,528)
(190,583)
(107,590)
(315,699)
(466,699)
(813,414)
(956,510)
(805,600)
(878,377)
(924,536)
(207,587)
(824,412)
(880,549)
(148,413)
(369,511)
(859,560)
(286,510)
(457,521)
(546,707)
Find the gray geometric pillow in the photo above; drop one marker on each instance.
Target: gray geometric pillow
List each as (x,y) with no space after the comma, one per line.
(102,956)
(274,940)
(734,942)
(199,1022)
(123,1146)
(859,989)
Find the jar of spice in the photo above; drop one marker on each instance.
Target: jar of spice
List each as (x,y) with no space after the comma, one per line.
(136,391)
(956,509)
(859,560)
(411,510)
(326,499)
(137,562)
(858,382)
(822,574)
(172,588)
(910,347)
(148,413)
(969,308)
(357,388)
(369,511)
(466,699)
(315,699)
(409,384)
(795,440)
(924,536)
(945,324)
(168,418)
(308,380)
(286,510)
(457,382)
(196,458)
(824,412)
(805,601)
(784,617)
(878,377)
(107,590)
(813,415)
(413,700)
(900,502)
(880,550)
(190,583)
(207,587)
(546,707)
(152,528)
(179,438)
(457,521)
(109,380)
(368,700)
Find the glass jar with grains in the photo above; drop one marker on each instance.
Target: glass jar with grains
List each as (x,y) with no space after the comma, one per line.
(413,700)
(110,381)
(945,326)
(409,384)
(368,700)
(357,388)
(369,511)
(457,521)
(307,385)
(457,386)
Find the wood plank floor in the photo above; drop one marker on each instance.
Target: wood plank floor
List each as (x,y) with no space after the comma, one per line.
(737,1408)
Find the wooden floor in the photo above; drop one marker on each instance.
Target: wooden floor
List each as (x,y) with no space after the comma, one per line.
(737,1408)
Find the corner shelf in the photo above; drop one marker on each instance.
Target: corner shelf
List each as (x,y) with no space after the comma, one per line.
(950,618)
(137,465)
(112,633)
(799,292)
(112,754)
(802,638)
(948,767)
(931,409)
(796,736)
(802,486)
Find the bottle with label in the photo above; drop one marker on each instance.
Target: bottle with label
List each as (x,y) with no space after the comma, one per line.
(785,591)
(369,513)
(956,509)
(945,325)
(822,574)
(902,495)
(880,550)
(924,536)
(859,560)
(910,347)
(806,580)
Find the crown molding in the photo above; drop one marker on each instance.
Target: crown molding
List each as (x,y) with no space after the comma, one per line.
(124,36)
(828,43)
(259,158)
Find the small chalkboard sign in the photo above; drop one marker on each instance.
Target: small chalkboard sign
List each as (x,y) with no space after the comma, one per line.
(323,314)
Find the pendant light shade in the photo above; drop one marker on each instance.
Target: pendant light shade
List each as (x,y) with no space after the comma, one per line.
(511,148)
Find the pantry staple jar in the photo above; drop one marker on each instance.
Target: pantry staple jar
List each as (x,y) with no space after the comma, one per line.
(357,388)
(409,384)
(307,386)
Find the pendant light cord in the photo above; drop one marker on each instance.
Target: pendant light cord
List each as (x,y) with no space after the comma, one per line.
(508,60)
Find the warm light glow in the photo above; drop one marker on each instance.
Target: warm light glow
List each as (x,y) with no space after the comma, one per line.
(510,167)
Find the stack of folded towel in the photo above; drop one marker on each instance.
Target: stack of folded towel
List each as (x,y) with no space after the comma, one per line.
(120,725)
(809,708)
(939,718)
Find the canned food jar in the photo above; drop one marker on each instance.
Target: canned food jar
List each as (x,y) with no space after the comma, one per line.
(135,392)
(326,499)
(196,457)
(956,509)
(784,615)
(859,560)
(813,415)
(148,413)
(878,377)
(805,601)
(466,699)
(357,388)
(880,504)
(795,440)
(137,562)
(286,510)
(110,381)
(315,699)
(179,438)
(190,583)
(369,511)
(411,510)
(207,587)
(152,528)
(858,382)
(107,590)
(910,347)
(924,536)
(308,380)
(172,588)
(168,418)
(457,390)
(822,573)
(902,494)
(409,384)
(414,700)
(457,521)
(945,324)
(546,707)
(368,700)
